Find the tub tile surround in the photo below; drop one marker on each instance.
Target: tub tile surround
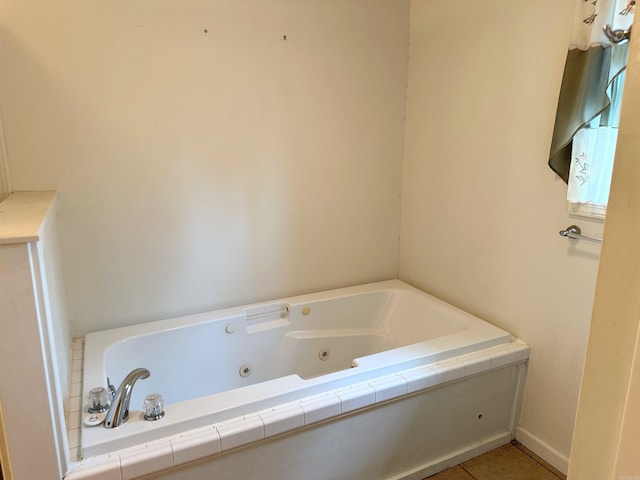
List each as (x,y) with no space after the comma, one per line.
(420,379)
(151,457)
(282,419)
(203,442)
(240,431)
(389,388)
(320,408)
(356,396)
(197,444)
(74,413)
(449,370)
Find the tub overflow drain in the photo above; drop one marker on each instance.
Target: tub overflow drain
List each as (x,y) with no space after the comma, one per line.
(245,370)
(324,354)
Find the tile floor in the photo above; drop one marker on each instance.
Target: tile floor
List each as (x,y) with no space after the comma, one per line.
(509,462)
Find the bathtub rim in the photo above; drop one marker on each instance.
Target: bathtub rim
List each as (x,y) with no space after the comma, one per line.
(104,339)
(270,393)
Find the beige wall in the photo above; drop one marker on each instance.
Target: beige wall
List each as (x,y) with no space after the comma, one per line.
(481,210)
(204,169)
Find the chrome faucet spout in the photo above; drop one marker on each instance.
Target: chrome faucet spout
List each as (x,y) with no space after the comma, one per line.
(118,412)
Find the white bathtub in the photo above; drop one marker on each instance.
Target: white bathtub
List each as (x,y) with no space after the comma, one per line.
(234,376)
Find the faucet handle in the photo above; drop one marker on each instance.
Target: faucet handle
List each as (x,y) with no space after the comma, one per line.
(112,389)
(98,400)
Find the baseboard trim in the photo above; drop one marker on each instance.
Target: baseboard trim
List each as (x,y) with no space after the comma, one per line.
(544,450)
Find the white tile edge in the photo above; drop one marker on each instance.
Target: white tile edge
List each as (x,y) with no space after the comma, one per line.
(73,415)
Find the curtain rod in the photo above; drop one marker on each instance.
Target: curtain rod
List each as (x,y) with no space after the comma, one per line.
(617,36)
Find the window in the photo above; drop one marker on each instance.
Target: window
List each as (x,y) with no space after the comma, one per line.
(586,127)
(592,155)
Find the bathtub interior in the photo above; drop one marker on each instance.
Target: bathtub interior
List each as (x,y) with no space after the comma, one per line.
(306,338)
(370,332)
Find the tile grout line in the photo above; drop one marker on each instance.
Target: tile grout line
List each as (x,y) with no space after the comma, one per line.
(467,471)
(530,454)
(524,450)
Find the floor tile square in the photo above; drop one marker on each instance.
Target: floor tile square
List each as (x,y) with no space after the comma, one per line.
(506,463)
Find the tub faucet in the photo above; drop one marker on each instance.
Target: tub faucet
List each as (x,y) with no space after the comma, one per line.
(118,412)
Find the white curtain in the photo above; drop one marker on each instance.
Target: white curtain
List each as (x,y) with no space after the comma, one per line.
(589,181)
(592,15)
